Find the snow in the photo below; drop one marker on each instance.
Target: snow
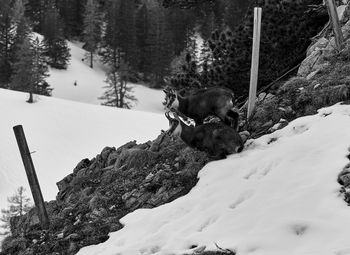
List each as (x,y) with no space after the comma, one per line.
(90,83)
(279,196)
(61,133)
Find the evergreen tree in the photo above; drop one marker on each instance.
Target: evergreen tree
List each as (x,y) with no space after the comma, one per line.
(35,11)
(119,92)
(30,70)
(22,27)
(7,34)
(141,30)
(119,41)
(110,52)
(40,69)
(160,46)
(56,48)
(19,205)
(72,14)
(92,28)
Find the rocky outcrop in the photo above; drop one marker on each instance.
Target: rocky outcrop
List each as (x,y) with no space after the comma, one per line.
(317,56)
(100,191)
(344,180)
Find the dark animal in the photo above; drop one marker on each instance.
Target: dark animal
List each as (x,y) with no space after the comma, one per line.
(203,103)
(217,139)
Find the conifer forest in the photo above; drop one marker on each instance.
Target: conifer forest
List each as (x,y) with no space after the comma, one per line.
(154,41)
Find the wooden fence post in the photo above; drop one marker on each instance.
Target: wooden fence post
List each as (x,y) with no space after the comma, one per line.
(255,61)
(31,175)
(333,14)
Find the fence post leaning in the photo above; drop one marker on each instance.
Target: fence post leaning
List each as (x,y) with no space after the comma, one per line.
(31,175)
(333,14)
(255,61)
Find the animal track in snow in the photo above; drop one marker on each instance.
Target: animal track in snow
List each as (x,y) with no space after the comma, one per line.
(151,250)
(207,223)
(260,172)
(299,229)
(300,129)
(242,198)
(253,172)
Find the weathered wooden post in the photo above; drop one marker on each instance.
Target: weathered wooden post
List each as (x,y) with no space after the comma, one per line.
(255,61)
(333,14)
(31,175)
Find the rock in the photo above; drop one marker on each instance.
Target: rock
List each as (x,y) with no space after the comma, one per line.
(68,211)
(312,75)
(134,158)
(344,176)
(307,66)
(267,124)
(82,164)
(73,248)
(63,184)
(130,202)
(263,96)
(105,153)
(341,12)
(281,124)
(149,177)
(318,45)
(344,179)
(244,135)
(112,157)
(346,30)
(98,213)
(34,220)
(73,236)
(316,86)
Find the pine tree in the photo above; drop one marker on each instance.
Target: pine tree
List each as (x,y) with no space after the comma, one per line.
(72,14)
(19,205)
(23,29)
(56,48)
(141,30)
(92,28)
(7,34)
(109,51)
(30,70)
(119,40)
(40,69)
(119,92)
(160,46)
(35,11)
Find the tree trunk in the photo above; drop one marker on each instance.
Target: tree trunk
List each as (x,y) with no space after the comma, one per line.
(30,100)
(91,60)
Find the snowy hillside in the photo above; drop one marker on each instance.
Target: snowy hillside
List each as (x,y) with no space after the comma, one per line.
(90,83)
(61,133)
(280,196)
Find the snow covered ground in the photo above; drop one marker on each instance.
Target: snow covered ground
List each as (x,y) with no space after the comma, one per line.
(278,197)
(61,133)
(90,83)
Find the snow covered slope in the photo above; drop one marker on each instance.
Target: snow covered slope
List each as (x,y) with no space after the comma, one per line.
(278,197)
(61,133)
(90,83)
